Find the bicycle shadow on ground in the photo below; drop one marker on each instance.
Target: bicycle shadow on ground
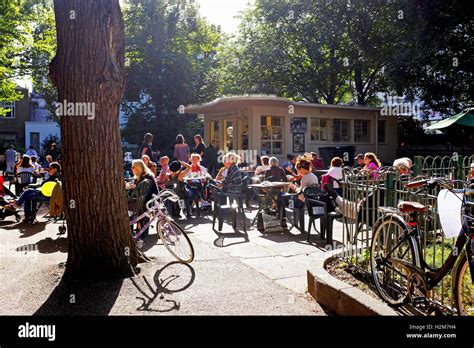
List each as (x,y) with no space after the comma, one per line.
(81,298)
(172,278)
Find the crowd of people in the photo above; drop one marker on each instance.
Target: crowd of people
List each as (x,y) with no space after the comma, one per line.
(39,172)
(193,167)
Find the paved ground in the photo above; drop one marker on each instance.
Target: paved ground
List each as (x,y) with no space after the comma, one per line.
(233,273)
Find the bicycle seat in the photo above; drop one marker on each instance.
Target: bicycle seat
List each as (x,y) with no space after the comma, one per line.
(408,207)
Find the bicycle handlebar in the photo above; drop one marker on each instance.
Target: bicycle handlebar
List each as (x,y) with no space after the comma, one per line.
(164,195)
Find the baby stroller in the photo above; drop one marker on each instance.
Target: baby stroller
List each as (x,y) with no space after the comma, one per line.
(4,212)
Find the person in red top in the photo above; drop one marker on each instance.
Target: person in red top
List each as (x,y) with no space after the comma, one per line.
(317,162)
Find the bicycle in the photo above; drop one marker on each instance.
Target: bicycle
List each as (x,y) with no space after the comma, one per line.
(398,267)
(171,234)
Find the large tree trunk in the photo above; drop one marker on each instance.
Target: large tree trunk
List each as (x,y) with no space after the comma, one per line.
(89,67)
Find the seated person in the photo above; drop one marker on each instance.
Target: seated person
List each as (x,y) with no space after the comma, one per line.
(47,162)
(335,171)
(196,167)
(34,162)
(317,162)
(163,178)
(403,165)
(141,173)
(36,165)
(275,173)
(29,195)
(264,167)
(25,166)
(304,167)
(222,172)
(197,170)
(150,165)
(178,170)
(290,169)
(372,165)
(232,182)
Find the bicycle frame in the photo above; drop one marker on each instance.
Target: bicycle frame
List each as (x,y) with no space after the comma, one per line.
(464,244)
(154,210)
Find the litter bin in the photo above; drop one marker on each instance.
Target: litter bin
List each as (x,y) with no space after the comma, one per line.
(347,154)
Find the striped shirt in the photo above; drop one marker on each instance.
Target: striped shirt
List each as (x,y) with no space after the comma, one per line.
(233,181)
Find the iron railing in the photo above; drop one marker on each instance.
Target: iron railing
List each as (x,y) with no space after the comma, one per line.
(364,194)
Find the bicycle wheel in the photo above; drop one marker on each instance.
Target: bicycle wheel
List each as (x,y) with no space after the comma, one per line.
(176,240)
(390,279)
(463,289)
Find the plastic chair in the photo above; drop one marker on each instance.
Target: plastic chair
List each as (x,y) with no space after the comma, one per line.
(21,181)
(226,202)
(320,208)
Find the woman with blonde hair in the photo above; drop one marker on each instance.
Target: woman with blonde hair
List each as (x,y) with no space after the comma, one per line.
(141,173)
(150,164)
(232,182)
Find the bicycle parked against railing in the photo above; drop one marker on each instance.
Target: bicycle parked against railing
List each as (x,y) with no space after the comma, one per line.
(399,270)
(171,234)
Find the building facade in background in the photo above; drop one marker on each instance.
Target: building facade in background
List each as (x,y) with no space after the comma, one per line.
(277,126)
(28,122)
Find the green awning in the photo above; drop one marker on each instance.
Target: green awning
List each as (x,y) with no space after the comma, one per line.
(464,118)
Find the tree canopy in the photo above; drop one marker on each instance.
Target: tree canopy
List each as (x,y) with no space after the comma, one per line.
(170,53)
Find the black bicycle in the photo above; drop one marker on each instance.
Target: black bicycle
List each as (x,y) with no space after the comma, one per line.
(399,270)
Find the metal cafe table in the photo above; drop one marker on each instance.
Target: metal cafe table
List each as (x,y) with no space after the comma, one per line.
(267,193)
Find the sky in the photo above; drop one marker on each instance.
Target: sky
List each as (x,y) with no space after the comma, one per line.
(222,12)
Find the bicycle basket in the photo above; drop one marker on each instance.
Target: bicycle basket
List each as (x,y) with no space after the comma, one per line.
(449,211)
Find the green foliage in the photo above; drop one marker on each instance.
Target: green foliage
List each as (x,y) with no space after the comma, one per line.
(340,51)
(311,51)
(42,50)
(11,41)
(436,63)
(170,51)
(46,145)
(27,45)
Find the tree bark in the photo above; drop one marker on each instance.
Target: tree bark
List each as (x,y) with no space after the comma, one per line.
(89,68)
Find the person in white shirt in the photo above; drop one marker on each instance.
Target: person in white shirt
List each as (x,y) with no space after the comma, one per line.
(198,185)
(31,152)
(36,165)
(335,171)
(264,167)
(303,166)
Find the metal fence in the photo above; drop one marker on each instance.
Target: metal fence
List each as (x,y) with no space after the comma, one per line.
(363,195)
(449,167)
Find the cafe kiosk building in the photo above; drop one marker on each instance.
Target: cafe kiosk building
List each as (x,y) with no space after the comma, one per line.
(277,126)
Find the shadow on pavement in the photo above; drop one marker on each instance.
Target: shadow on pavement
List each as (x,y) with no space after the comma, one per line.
(171,278)
(81,298)
(221,237)
(47,246)
(26,230)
